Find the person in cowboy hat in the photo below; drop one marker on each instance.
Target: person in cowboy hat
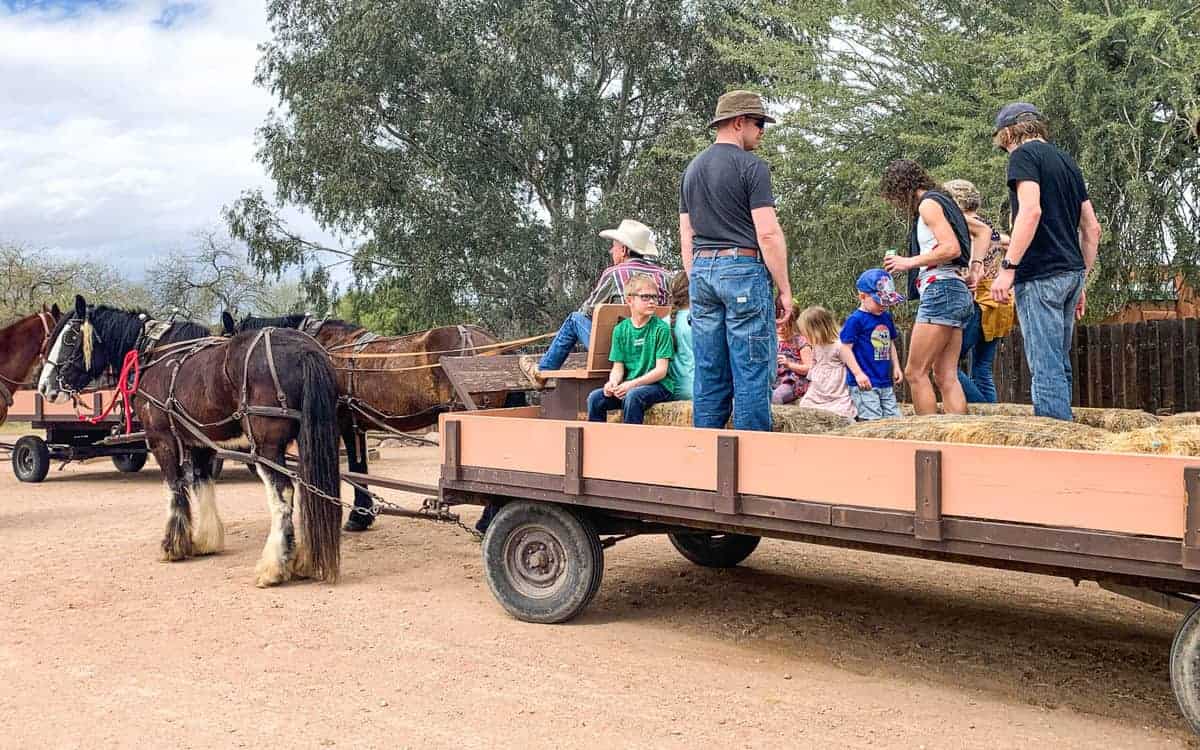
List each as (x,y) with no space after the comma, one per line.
(733,248)
(631,250)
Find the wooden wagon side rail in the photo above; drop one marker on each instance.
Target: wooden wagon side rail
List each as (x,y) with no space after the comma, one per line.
(726,485)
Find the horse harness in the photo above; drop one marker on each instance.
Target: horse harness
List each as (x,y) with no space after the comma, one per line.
(179,353)
(6,394)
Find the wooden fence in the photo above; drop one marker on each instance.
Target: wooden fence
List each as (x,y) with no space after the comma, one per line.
(1153,366)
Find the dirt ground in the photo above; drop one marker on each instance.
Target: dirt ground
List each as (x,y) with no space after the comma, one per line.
(103,646)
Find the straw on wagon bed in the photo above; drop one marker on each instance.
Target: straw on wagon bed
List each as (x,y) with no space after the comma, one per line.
(1029,432)
(784,418)
(1166,440)
(1112,420)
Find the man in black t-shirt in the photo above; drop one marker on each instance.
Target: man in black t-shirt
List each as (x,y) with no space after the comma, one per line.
(1055,239)
(733,248)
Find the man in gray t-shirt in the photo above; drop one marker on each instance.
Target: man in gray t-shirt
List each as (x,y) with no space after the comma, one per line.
(732,248)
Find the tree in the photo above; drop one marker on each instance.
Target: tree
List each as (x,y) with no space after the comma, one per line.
(868,81)
(476,146)
(30,278)
(214,276)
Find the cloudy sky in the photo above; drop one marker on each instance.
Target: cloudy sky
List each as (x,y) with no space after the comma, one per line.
(125,125)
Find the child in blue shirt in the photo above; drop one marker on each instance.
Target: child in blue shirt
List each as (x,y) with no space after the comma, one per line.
(872,364)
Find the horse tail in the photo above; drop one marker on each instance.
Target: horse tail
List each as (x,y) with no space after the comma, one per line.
(318,448)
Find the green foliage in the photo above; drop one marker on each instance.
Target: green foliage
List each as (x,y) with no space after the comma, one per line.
(474,147)
(868,81)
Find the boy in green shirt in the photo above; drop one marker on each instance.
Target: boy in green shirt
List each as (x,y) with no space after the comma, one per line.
(641,352)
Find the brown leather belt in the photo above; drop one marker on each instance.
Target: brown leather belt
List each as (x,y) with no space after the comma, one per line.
(744,252)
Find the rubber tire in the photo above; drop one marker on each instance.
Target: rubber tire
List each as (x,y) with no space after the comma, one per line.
(1185,668)
(714,550)
(30,459)
(129,463)
(583,561)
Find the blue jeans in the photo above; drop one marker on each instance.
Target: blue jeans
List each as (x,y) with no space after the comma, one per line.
(633,408)
(1046,310)
(877,403)
(945,302)
(577,328)
(733,334)
(978,385)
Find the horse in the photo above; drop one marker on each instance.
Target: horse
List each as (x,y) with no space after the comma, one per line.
(403,393)
(194,393)
(23,346)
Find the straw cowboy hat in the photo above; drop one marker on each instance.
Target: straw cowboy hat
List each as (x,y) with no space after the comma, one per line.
(634,235)
(737,103)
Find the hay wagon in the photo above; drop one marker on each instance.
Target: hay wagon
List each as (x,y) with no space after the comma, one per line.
(566,490)
(68,438)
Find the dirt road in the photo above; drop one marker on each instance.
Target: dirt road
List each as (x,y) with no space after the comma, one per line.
(101,645)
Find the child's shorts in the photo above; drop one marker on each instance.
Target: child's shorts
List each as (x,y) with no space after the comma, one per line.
(877,403)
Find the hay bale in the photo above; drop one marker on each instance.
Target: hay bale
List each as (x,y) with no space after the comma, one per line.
(784,418)
(1029,432)
(1112,420)
(805,420)
(1182,419)
(1165,440)
(1000,410)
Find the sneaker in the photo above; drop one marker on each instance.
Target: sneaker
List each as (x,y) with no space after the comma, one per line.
(528,364)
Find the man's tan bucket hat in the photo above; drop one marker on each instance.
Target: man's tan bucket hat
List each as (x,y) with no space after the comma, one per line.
(737,103)
(634,235)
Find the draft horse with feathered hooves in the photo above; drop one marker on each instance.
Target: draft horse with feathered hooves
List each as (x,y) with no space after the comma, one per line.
(24,344)
(398,385)
(193,393)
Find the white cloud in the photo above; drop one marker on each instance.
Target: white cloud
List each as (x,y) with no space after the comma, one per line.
(121,135)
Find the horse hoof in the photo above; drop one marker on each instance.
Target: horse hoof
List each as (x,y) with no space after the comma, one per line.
(269,573)
(358,522)
(175,551)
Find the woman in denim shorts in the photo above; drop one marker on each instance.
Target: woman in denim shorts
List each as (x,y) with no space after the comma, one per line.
(940,247)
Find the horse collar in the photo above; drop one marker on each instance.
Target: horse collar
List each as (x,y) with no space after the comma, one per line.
(152,332)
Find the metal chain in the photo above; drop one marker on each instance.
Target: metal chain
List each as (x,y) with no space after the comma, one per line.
(431,508)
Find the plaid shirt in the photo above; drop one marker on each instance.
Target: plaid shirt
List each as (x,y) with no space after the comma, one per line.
(611,287)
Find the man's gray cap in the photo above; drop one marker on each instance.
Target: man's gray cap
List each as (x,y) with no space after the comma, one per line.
(1011,114)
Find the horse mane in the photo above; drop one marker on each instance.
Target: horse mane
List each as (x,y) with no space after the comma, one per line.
(120,329)
(251,323)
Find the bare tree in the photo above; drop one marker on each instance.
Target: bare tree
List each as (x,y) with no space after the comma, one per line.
(213,275)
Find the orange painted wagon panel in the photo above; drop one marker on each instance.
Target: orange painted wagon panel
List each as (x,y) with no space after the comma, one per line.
(494,442)
(670,456)
(1132,494)
(1103,491)
(823,469)
(24,405)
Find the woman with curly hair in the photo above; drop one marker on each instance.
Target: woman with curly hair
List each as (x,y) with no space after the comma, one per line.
(939,247)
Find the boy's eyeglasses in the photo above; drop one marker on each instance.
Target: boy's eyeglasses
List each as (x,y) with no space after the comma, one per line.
(643,297)
(759,123)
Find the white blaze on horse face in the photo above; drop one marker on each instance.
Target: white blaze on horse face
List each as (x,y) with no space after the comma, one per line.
(48,381)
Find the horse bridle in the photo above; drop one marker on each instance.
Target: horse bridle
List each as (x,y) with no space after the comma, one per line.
(43,353)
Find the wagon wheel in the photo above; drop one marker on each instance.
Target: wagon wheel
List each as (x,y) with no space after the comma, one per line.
(129,463)
(30,459)
(543,562)
(715,550)
(1185,668)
